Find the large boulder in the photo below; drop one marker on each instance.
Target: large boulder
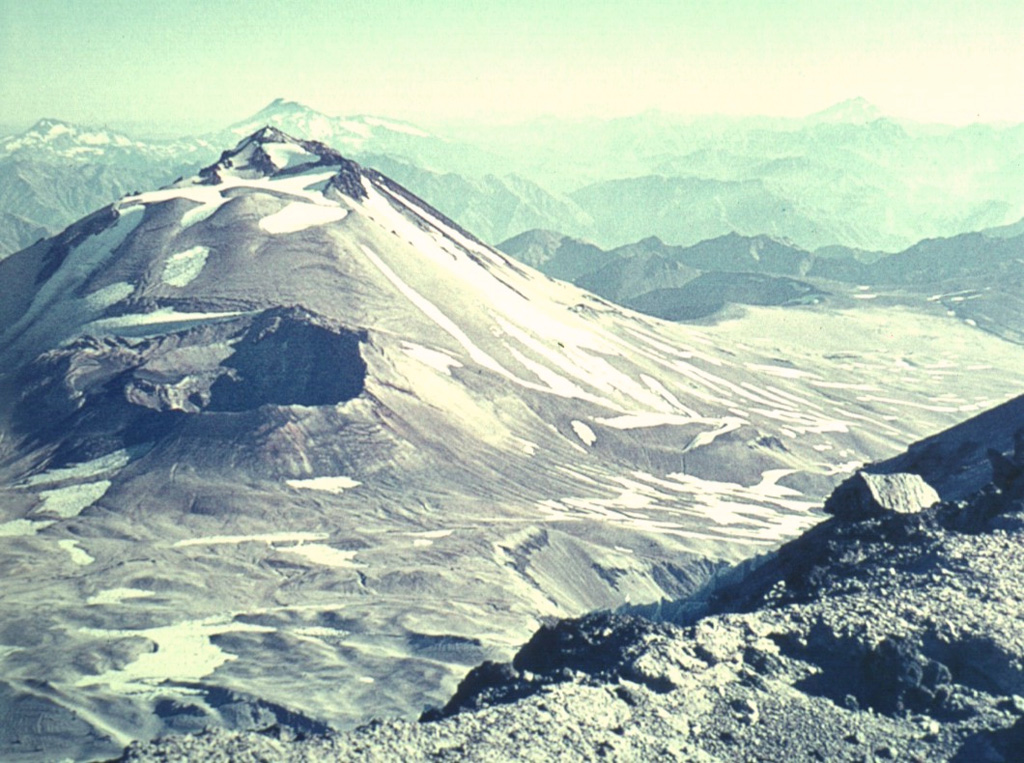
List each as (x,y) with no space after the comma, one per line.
(866,496)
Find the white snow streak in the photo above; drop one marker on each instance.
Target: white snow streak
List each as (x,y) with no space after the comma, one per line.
(431,310)
(269,538)
(336,485)
(116,596)
(299,215)
(439,361)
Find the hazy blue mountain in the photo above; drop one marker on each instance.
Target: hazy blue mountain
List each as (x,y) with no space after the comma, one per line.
(851,111)
(555,254)
(685,210)
(56,172)
(974,278)
(1006,231)
(625,279)
(748,254)
(707,293)
(847,175)
(628,273)
(495,208)
(17,232)
(364,136)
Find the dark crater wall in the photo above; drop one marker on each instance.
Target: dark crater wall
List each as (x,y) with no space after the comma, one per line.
(97,395)
(285,360)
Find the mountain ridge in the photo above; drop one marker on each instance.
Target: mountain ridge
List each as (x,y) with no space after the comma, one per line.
(816,183)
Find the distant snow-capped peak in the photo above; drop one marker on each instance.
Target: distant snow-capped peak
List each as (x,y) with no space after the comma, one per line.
(858,111)
(59,136)
(351,132)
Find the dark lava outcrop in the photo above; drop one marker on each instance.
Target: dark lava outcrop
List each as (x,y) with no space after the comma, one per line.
(101,393)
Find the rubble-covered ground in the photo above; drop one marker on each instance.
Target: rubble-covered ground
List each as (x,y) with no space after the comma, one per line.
(888,632)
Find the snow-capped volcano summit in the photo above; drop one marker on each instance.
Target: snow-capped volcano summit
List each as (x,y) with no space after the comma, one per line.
(351,132)
(303,445)
(856,111)
(268,152)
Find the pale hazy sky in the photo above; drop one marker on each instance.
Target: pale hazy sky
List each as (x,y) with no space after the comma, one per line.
(209,63)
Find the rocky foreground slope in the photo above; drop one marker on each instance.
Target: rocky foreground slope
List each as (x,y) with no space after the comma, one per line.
(891,631)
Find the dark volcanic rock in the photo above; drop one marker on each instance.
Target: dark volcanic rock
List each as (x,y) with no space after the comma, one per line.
(99,394)
(867,495)
(289,357)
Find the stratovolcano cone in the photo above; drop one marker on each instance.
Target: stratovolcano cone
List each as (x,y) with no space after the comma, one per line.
(281,441)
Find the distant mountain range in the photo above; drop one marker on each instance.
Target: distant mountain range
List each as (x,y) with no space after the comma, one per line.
(974,277)
(846,176)
(56,172)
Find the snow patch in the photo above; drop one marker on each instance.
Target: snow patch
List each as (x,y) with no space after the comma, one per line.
(336,485)
(585,433)
(287,155)
(431,534)
(183,268)
(299,215)
(68,502)
(116,596)
(94,138)
(83,470)
(103,298)
(200,213)
(21,528)
(78,556)
(649,419)
(183,652)
(57,130)
(327,556)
